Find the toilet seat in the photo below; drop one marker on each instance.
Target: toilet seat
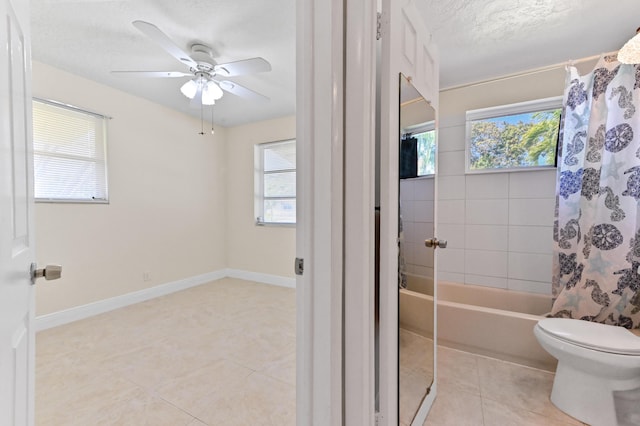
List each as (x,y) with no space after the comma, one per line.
(592,335)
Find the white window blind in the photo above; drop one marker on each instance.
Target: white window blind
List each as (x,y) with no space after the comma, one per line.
(276,182)
(69,153)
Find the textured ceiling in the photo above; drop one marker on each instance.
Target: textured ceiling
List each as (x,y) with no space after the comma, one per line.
(477,39)
(482,39)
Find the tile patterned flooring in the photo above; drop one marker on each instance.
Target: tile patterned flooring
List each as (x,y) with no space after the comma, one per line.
(218,354)
(224,354)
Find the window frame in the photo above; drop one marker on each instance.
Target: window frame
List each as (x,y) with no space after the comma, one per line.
(104,132)
(537,105)
(259,197)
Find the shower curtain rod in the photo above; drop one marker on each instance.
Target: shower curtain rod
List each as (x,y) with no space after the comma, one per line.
(570,62)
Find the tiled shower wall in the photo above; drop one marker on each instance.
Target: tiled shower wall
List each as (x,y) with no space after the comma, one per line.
(416,210)
(499,226)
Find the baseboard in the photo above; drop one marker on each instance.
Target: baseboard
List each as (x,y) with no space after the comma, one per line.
(262,278)
(66,316)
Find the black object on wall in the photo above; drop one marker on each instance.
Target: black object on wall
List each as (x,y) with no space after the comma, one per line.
(408,157)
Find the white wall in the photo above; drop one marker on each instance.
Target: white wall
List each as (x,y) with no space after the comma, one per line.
(167,212)
(499,226)
(263,249)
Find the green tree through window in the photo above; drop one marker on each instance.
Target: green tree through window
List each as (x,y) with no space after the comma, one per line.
(426,152)
(514,141)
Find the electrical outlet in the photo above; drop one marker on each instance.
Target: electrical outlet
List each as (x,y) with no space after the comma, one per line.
(146,276)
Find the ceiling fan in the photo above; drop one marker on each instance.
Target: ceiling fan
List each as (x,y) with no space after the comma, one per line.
(205,86)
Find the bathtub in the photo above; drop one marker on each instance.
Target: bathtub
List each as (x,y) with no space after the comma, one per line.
(487,321)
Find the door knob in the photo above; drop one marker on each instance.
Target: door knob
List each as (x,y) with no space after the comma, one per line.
(49,272)
(435,243)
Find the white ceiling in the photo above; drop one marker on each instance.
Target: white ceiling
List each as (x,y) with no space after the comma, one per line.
(477,39)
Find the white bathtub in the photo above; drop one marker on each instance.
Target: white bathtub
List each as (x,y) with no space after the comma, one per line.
(483,320)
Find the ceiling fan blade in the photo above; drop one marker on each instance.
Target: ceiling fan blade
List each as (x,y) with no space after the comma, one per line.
(246,66)
(241,91)
(152,74)
(165,42)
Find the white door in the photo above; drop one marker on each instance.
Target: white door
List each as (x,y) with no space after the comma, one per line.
(16,221)
(407,48)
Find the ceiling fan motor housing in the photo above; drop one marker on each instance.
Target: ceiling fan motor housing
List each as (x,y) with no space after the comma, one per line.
(203,55)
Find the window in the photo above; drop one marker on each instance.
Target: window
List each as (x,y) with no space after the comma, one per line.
(513,137)
(418,151)
(69,153)
(275,182)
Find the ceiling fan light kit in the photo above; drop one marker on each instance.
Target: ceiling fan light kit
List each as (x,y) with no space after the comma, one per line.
(630,52)
(209,90)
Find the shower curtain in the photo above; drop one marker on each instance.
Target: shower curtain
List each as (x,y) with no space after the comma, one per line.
(596,230)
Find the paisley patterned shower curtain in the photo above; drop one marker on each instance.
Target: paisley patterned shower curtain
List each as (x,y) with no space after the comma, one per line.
(597,219)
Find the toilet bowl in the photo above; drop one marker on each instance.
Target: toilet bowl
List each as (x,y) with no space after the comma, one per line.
(597,380)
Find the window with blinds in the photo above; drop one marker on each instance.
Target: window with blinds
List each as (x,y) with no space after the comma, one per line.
(275,182)
(69,147)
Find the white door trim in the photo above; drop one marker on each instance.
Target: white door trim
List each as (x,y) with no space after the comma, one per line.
(359,205)
(319,233)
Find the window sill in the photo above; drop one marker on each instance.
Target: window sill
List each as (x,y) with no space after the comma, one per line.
(511,170)
(58,201)
(276,225)
(419,177)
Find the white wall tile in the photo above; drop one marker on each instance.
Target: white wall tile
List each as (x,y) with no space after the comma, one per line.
(407,210)
(452,120)
(451,188)
(451,163)
(409,252)
(424,189)
(423,211)
(409,231)
(487,212)
(533,184)
(451,211)
(487,237)
(406,189)
(451,260)
(483,262)
(423,255)
(530,267)
(453,277)
(451,138)
(482,280)
(530,211)
(531,239)
(453,234)
(422,231)
(530,287)
(487,186)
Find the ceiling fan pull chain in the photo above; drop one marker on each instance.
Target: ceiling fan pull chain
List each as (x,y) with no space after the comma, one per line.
(212,129)
(201,119)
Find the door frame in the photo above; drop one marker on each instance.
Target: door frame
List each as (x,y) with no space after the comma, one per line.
(335,207)
(319,210)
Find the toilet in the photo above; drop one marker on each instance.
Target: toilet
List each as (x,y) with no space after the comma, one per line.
(598,376)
